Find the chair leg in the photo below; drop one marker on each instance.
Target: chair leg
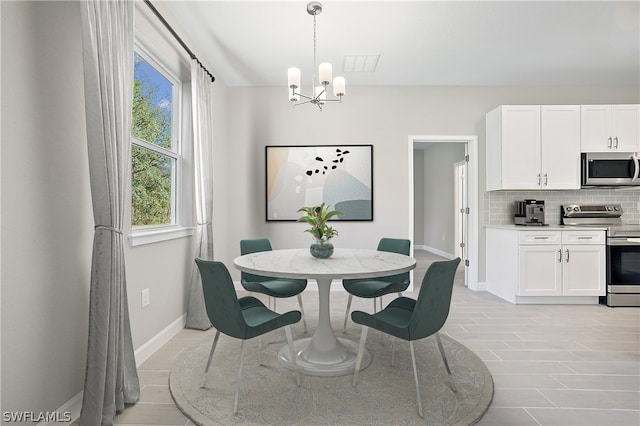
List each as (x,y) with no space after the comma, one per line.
(363,339)
(206,368)
(346,315)
(446,364)
(304,321)
(292,354)
(235,403)
(259,350)
(415,376)
(393,351)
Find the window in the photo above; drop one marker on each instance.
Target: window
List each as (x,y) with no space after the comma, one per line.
(154,149)
(157,188)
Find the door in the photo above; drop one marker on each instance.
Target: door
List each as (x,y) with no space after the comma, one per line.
(560,139)
(540,270)
(625,127)
(462,212)
(584,270)
(521,147)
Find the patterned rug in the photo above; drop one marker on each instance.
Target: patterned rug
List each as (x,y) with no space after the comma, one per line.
(385,395)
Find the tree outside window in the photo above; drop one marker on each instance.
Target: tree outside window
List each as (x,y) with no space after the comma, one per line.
(154,153)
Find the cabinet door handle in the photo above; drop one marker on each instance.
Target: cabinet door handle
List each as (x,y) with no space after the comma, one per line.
(610,144)
(546,179)
(540,238)
(585,238)
(559,255)
(615,145)
(567,253)
(538,179)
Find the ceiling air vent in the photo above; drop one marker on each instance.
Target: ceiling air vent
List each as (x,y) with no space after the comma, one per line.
(360,63)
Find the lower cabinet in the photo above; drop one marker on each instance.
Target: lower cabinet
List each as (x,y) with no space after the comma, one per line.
(535,266)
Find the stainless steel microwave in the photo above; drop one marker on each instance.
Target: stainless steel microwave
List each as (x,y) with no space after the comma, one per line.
(610,169)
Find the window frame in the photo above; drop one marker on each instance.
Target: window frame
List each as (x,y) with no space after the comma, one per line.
(181,209)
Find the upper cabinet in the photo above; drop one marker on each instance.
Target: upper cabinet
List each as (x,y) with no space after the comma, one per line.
(610,128)
(533,147)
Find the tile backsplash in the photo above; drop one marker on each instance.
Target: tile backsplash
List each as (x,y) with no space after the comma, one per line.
(499,205)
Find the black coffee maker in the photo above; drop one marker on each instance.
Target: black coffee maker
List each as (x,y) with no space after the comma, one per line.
(529,212)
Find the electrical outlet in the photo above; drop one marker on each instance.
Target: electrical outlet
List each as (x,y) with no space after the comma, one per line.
(145,297)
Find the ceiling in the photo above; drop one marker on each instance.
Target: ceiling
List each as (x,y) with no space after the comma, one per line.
(419,42)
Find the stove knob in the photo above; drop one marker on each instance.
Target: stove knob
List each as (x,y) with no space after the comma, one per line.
(609,208)
(616,208)
(575,209)
(568,209)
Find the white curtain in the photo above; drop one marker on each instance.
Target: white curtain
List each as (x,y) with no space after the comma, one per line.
(202,139)
(111,379)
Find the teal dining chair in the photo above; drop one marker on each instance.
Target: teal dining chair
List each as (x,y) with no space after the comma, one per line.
(410,319)
(372,288)
(273,287)
(242,318)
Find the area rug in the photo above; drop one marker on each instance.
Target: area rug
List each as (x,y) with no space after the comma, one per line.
(385,395)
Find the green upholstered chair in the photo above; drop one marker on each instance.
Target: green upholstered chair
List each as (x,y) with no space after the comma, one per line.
(371,288)
(273,287)
(242,318)
(410,319)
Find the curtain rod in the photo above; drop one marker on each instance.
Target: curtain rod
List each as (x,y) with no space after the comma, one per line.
(173,33)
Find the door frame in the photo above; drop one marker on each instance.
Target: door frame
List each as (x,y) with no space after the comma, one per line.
(472,197)
(460,203)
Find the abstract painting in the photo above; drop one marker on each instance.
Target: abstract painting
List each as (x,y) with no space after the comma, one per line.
(338,175)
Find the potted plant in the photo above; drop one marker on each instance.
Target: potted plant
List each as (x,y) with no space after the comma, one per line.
(317,217)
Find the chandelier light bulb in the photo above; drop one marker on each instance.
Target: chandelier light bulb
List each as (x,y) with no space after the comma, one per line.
(294,77)
(339,86)
(324,73)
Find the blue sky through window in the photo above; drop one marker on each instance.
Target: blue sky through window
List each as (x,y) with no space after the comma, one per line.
(152,80)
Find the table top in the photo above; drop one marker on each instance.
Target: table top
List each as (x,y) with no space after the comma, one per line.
(345,263)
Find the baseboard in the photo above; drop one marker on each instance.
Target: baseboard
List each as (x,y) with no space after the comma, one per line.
(147,349)
(436,251)
(70,412)
(71,409)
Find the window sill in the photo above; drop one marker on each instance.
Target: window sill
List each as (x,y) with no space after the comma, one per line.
(150,236)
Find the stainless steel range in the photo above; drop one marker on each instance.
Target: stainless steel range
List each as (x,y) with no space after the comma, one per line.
(623,249)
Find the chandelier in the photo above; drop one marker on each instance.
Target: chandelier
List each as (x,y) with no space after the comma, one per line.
(319,93)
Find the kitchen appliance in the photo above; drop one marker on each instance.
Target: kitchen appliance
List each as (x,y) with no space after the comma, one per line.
(622,248)
(529,212)
(610,169)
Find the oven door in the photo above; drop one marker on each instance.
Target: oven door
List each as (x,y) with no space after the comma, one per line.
(623,271)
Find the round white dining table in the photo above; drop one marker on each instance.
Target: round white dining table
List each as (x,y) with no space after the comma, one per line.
(324,354)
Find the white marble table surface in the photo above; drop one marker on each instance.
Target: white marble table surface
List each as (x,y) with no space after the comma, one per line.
(324,354)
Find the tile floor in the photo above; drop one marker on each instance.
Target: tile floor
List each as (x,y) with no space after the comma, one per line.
(551,364)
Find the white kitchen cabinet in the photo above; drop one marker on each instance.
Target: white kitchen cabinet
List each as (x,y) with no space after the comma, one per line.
(610,128)
(533,147)
(546,266)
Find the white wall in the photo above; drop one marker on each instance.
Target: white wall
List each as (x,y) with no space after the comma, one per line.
(382,116)
(47,222)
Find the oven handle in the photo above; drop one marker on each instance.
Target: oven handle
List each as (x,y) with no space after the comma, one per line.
(623,242)
(634,158)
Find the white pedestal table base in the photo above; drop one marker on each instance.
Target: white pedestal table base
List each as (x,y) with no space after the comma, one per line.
(324,354)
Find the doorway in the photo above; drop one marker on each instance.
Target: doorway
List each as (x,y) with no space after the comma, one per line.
(470,259)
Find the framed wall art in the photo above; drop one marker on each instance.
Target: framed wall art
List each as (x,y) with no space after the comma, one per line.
(339,175)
